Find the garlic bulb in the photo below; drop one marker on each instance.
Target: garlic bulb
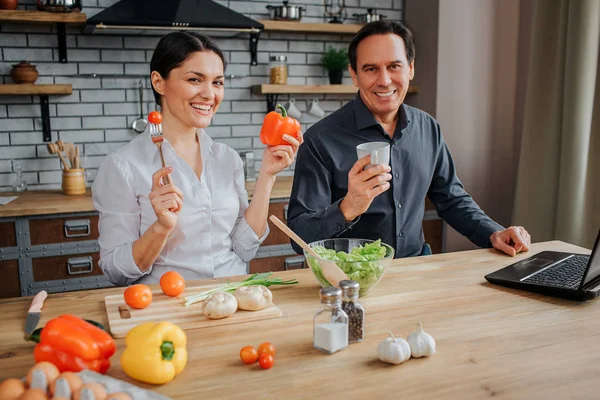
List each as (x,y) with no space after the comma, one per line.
(393,350)
(253,298)
(421,343)
(219,305)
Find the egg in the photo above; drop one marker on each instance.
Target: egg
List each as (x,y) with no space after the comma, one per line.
(98,389)
(74,380)
(11,389)
(119,396)
(34,394)
(49,370)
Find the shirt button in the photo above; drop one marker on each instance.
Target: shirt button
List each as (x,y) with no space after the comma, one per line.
(339,226)
(399,205)
(397,175)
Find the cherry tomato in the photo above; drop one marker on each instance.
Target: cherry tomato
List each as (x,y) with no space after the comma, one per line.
(266,348)
(155,117)
(172,283)
(249,355)
(138,296)
(266,360)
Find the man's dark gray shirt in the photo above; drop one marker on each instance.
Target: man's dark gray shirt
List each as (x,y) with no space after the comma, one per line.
(421,165)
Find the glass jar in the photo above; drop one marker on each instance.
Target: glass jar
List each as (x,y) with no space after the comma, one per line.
(354,310)
(330,324)
(278,70)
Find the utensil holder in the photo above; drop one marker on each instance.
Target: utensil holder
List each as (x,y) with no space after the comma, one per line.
(73,181)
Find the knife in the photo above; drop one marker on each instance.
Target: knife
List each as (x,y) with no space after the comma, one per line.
(34,314)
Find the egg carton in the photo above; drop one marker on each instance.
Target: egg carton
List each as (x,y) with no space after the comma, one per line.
(115,385)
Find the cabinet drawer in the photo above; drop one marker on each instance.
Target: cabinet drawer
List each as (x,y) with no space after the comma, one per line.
(276,263)
(433,231)
(8,236)
(65,267)
(276,236)
(63,230)
(9,279)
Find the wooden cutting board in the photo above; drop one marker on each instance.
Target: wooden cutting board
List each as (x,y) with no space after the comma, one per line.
(172,309)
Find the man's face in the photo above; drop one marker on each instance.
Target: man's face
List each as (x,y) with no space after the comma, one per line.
(383,73)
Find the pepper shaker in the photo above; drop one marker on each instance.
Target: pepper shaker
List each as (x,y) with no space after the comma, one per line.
(355,310)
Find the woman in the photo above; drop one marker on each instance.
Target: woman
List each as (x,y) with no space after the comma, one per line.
(200,225)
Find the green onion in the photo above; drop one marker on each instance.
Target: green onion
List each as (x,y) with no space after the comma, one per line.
(256,279)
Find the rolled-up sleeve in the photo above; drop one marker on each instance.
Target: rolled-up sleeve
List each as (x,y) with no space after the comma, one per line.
(119,223)
(244,240)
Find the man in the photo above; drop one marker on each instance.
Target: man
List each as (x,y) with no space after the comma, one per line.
(334,196)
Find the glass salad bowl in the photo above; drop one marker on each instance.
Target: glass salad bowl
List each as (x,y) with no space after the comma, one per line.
(363,260)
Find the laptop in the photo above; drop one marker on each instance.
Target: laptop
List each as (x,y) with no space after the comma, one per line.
(567,275)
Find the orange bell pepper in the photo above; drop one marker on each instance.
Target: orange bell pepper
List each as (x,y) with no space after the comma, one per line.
(276,125)
(72,344)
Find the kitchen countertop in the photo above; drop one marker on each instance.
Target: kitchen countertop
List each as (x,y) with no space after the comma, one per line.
(491,341)
(44,202)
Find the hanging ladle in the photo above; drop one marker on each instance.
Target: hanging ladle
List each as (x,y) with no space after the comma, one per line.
(139,125)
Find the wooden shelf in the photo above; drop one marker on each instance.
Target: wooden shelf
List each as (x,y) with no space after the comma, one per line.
(31,88)
(291,26)
(311,89)
(42,16)
(43,91)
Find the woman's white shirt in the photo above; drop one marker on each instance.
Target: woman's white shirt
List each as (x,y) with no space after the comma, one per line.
(212,237)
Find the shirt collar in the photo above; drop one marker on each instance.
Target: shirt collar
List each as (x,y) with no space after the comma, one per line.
(366,119)
(206,144)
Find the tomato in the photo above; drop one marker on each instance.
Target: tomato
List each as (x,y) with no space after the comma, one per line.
(138,296)
(155,117)
(266,348)
(172,283)
(249,355)
(266,360)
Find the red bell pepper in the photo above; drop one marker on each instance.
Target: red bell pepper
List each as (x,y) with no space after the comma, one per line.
(276,125)
(73,344)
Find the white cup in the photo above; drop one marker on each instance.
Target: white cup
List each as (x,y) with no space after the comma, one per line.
(292,110)
(315,110)
(379,152)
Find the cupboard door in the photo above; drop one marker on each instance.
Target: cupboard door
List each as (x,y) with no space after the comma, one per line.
(63,230)
(65,267)
(433,231)
(10,285)
(276,236)
(8,237)
(268,264)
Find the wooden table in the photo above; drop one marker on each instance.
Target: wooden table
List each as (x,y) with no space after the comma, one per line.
(491,341)
(45,202)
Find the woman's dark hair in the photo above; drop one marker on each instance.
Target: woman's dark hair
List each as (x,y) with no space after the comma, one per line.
(174,48)
(383,27)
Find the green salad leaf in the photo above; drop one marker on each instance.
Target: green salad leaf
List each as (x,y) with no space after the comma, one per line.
(361,264)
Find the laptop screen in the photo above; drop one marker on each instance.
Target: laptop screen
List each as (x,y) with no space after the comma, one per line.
(593,268)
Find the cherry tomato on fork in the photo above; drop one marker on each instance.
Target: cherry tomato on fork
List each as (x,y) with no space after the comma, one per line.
(155,117)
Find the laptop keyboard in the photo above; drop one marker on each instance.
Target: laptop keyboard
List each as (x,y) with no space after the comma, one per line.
(566,274)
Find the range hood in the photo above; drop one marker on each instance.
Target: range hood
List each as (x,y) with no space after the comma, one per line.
(156,17)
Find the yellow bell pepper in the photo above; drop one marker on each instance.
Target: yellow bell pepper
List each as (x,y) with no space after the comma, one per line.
(155,352)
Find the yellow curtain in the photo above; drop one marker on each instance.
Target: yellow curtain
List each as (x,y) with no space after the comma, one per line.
(558,180)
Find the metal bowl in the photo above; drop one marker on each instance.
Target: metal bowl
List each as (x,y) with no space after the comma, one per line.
(285,12)
(59,5)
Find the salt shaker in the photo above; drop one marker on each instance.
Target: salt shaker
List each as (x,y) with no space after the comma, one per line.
(330,324)
(354,310)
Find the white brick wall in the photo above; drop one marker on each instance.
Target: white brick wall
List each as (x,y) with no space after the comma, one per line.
(105,71)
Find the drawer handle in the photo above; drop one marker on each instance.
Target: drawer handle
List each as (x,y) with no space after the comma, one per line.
(290,262)
(74,227)
(285,211)
(80,265)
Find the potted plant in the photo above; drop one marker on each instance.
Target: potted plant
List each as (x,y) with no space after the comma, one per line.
(335,61)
